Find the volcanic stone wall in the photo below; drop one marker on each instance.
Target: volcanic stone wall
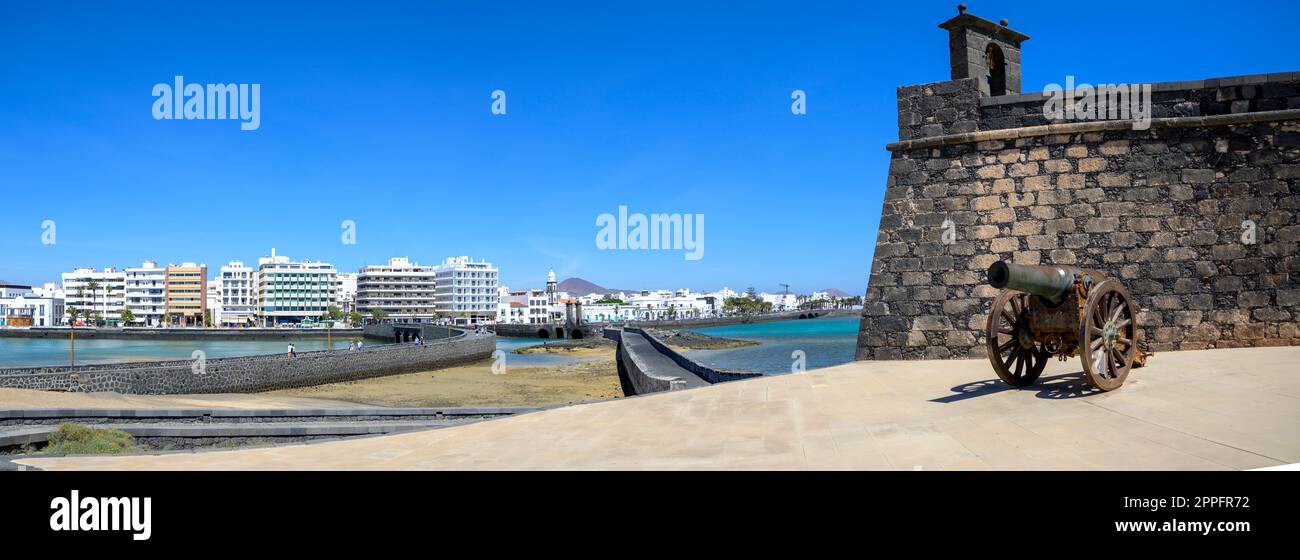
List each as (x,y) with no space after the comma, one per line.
(1197,215)
(253,373)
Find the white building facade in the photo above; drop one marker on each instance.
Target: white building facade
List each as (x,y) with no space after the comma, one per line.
(347,297)
(291,292)
(403,290)
(21,306)
(236,290)
(95,294)
(466,290)
(146,294)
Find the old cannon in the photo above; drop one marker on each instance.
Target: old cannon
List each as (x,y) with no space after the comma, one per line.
(1061,311)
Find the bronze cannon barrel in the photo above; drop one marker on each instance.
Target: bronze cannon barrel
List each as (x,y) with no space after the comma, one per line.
(1052,283)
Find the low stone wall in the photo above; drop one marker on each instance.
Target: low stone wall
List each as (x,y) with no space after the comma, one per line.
(388,331)
(956,107)
(702,371)
(646,365)
(249,374)
(1193,98)
(643,370)
(178,334)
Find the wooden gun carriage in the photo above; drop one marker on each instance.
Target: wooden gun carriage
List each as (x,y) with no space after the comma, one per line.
(1061,311)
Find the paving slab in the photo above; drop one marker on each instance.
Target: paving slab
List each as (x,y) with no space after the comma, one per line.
(1210,409)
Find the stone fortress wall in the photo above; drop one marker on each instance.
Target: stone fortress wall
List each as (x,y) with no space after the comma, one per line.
(246,374)
(1166,210)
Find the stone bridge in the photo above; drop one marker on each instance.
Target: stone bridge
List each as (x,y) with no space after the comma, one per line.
(646,365)
(546,330)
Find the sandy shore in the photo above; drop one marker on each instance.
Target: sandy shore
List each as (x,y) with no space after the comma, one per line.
(594,379)
(576,352)
(476,385)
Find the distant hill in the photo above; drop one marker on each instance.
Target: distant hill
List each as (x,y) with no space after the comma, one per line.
(836,293)
(580,287)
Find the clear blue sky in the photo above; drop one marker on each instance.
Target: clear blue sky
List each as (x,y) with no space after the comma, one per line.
(378,112)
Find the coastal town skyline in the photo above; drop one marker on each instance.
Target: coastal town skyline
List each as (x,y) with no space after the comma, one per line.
(529,279)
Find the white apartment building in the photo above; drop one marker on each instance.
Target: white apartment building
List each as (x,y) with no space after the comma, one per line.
(680,304)
(781,302)
(21,306)
(608,312)
(505,305)
(146,294)
(466,290)
(347,298)
(95,294)
(402,289)
(236,286)
(289,292)
(213,303)
(540,309)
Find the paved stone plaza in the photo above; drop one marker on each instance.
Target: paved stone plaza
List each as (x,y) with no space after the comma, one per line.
(1206,409)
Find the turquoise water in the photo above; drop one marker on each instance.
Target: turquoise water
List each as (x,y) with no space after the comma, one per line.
(824,342)
(27,352)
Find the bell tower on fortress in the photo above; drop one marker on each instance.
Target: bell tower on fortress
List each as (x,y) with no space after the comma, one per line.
(984,50)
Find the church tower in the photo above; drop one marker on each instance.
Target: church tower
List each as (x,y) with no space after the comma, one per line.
(552,288)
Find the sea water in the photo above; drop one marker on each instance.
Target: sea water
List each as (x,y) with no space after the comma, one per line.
(824,342)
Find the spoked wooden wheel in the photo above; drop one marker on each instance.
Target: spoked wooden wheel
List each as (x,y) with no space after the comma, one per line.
(1015,356)
(1108,335)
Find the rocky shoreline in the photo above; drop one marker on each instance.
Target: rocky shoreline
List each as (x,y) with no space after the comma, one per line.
(690,340)
(581,345)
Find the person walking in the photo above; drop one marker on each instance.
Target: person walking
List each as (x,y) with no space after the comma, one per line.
(293,353)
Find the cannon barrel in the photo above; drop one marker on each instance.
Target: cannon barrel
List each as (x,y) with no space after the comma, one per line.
(1052,283)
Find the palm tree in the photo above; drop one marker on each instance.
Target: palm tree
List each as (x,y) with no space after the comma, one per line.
(94,300)
(108,294)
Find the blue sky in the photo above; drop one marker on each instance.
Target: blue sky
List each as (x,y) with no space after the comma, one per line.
(379,113)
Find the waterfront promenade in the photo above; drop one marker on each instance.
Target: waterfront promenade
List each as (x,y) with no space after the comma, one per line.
(1211,409)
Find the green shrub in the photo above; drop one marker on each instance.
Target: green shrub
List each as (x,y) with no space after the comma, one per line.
(76,439)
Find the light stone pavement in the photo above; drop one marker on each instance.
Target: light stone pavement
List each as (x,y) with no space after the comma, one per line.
(1211,409)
